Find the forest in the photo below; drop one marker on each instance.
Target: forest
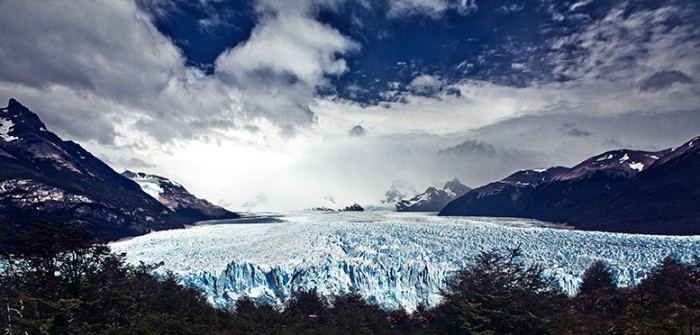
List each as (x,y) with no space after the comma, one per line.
(55,280)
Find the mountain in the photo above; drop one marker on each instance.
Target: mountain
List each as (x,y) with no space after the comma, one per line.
(43,178)
(432,200)
(178,199)
(620,190)
(353,208)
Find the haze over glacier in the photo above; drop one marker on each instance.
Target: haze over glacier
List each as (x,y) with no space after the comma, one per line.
(398,260)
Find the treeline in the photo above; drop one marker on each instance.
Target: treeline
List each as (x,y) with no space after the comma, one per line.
(54,281)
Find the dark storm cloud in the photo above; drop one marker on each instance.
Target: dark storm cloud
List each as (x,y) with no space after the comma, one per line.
(399,190)
(357,131)
(87,70)
(577,132)
(478,162)
(664,79)
(470,148)
(632,130)
(571,130)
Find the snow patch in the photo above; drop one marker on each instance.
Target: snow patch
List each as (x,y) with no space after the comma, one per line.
(637,166)
(423,197)
(150,185)
(624,158)
(602,158)
(6,126)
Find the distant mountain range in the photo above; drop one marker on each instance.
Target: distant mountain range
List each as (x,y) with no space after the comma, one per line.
(433,199)
(620,191)
(43,178)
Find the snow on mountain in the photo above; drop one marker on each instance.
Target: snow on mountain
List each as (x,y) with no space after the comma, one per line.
(520,179)
(44,178)
(625,163)
(6,126)
(177,198)
(150,185)
(621,190)
(686,148)
(395,259)
(433,199)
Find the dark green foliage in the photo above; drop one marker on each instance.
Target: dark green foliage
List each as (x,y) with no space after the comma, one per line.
(667,301)
(54,281)
(597,277)
(599,307)
(499,295)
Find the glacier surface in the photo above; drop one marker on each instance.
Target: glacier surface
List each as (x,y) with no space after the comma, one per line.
(397,260)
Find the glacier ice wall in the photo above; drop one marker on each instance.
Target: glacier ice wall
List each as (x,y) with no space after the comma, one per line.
(398,260)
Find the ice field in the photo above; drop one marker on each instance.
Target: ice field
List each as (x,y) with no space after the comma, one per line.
(395,259)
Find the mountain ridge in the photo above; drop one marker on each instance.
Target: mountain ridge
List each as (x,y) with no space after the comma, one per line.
(620,190)
(177,198)
(44,178)
(433,199)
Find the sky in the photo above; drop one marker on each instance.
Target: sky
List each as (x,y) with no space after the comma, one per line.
(276,105)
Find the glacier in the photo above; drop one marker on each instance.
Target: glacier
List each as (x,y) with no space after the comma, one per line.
(398,260)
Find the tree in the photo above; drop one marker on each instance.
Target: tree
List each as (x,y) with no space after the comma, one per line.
(499,294)
(597,277)
(599,306)
(55,280)
(668,300)
(351,314)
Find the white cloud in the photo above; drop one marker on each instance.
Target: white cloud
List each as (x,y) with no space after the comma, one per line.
(629,43)
(426,84)
(100,72)
(279,68)
(431,8)
(288,45)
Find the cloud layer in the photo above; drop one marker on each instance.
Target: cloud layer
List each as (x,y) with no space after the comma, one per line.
(269,115)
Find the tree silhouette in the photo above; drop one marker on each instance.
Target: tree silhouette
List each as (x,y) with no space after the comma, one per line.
(499,294)
(597,277)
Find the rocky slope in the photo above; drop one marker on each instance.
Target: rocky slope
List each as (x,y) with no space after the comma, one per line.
(43,178)
(177,198)
(620,190)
